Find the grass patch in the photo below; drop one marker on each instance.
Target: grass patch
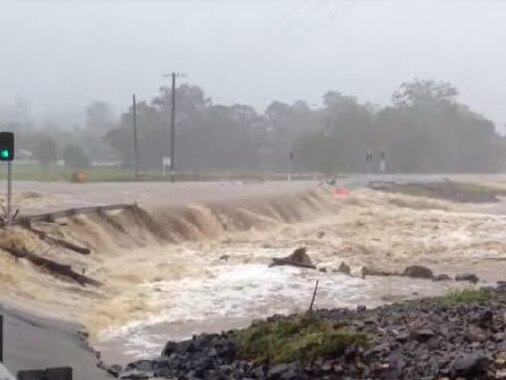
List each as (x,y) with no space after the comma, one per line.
(298,338)
(466,296)
(34,172)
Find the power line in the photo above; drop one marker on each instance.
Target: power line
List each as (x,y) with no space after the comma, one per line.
(308,17)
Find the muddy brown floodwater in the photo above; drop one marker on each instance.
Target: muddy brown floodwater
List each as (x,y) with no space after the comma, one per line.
(198,260)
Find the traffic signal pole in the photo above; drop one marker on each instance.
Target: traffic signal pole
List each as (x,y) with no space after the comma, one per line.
(9,192)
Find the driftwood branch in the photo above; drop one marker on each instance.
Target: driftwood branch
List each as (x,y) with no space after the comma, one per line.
(314,297)
(52,266)
(62,243)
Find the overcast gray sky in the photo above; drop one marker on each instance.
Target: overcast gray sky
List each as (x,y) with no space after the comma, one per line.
(60,55)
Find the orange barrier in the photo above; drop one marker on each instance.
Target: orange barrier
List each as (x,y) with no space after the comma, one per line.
(341,192)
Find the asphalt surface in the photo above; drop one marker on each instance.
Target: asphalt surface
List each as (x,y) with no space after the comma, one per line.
(55,196)
(38,342)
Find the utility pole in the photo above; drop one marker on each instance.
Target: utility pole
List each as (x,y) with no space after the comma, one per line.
(136,150)
(173,128)
(173,76)
(290,170)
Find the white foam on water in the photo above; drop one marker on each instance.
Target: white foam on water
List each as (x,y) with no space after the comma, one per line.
(244,292)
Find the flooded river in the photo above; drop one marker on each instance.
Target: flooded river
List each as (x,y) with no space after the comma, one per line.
(202,266)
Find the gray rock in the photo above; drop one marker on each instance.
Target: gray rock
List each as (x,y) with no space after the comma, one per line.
(371,271)
(403,338)
(344,268)
(471,277)
(417,271)
(327,366)
(114,370)
(169,348)
(276,371)
(476,334)
(298,258)
(469,365)
(259,372)
(442,277)
(422,335)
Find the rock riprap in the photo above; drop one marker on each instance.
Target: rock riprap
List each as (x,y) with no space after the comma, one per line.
(459,336)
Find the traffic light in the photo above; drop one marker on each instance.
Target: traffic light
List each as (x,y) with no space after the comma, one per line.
(6,146)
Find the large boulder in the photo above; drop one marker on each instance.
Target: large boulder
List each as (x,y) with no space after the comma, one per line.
(298,258)
(418,271)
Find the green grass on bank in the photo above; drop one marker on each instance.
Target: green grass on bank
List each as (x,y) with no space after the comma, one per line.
(299,338)
(34,172)
(466,296)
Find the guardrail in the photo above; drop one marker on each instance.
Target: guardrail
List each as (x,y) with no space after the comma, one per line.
(51,217)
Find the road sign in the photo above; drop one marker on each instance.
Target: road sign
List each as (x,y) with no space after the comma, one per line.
(6,146)
(167,161)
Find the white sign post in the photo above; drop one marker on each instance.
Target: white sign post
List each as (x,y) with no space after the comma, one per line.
(166,162)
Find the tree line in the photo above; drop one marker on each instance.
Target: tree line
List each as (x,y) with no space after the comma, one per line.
(424,129)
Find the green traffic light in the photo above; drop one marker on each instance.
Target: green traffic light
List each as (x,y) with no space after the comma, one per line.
(4,153)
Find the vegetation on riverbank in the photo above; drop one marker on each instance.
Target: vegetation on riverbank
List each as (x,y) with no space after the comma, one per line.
(466,296)
(299,338)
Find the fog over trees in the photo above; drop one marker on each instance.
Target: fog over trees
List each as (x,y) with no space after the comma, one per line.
(424,129)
